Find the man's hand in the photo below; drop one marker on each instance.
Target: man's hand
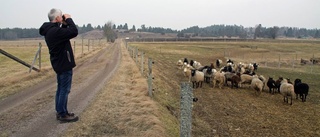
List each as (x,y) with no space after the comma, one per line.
(66,16)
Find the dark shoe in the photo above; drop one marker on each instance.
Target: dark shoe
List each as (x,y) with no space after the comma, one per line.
(70,114)
(68,118)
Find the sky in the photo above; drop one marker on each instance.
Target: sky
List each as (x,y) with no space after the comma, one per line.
(174,14)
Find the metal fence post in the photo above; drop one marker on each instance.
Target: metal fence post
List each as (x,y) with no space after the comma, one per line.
(150,77)
(82,47)
(136,52)
(142,62)
(88,44)
(279,62)
(186,109)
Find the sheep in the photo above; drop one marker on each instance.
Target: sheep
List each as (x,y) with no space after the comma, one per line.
(250,68)
(208,73)
(245,78)
(220,78)
(197,77)
(255,66)
(278,83)
(185,61)
(235,80)
(263,79)
(240,69)
(272,85)
(289,81)
(229,61)
(191,62)
(218,63)
(187,72)
(197,65)
(179,64)
(228,76)
(301,89)
(249,73)
(286,90)
(227,69)
(305,61)
(257,84)
(205,67)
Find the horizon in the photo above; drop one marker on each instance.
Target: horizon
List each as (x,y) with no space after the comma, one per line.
(176,15)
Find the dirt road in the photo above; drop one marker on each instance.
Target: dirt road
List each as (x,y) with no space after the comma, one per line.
(31,112)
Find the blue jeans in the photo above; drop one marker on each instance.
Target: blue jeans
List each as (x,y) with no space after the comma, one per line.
(64,81)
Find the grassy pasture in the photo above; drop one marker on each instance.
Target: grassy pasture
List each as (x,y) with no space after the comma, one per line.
(239,112)
(15,76)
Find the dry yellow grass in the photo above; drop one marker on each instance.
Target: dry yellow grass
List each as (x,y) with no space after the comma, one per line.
(239,112)
(122,108)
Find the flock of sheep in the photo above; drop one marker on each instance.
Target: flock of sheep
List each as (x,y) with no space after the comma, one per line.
(238,75)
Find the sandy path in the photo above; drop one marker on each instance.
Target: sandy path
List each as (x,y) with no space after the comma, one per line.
(31,112)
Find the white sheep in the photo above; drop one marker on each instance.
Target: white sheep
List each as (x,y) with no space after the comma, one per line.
(180,64)
(208,73)
(197,78)
(245,78)
(197,65)
(257,84)
(187,71)
(264,80)
(287,89)
(220,78)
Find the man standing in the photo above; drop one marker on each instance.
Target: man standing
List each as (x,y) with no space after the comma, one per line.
(58,33)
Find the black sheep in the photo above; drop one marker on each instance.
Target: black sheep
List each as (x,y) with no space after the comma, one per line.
(255,66)
(229,61)
(227,69)
(278,83)
(185,61)
(272,85)
(191,63)
(218,63)
(301,89)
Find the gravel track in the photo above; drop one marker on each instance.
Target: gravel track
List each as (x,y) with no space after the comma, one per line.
(31,111)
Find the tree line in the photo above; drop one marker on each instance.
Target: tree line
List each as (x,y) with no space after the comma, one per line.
(18,33)
(223,31)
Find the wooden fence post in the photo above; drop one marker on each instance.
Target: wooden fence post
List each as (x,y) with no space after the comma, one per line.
(35,57)
(40,45)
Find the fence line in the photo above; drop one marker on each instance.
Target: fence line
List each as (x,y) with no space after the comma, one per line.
(135,54)
(186,91)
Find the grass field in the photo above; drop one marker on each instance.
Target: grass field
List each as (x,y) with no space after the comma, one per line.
(239,112)
(219,112)
(15,76)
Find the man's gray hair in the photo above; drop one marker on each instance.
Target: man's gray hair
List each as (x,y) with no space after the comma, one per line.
(54,13)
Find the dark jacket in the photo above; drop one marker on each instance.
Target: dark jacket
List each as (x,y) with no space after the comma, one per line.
(58,42)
